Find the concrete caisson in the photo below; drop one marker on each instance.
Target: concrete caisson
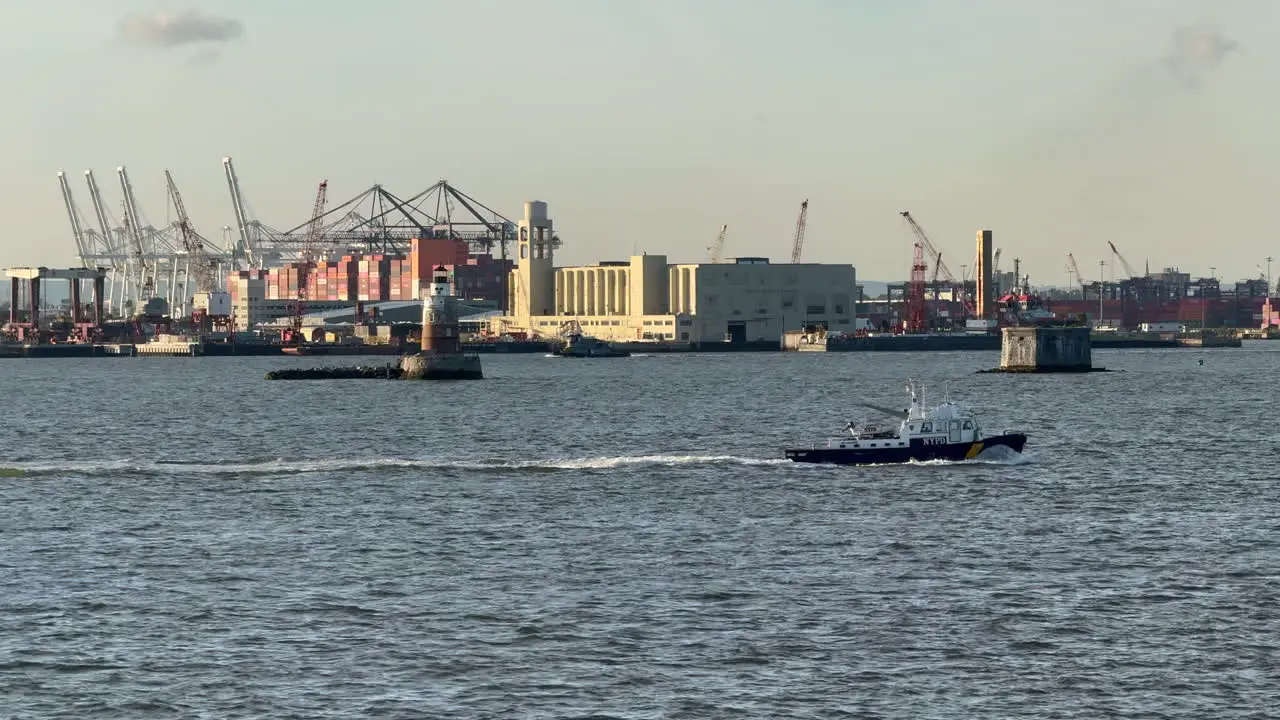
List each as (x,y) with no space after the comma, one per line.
(1046,349)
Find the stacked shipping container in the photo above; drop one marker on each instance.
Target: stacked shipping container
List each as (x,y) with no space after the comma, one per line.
(381,278)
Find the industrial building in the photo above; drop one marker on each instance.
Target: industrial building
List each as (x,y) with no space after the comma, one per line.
(647,298)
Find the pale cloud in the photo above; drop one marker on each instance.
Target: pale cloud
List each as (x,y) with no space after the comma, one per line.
(171,29)
(1196,51)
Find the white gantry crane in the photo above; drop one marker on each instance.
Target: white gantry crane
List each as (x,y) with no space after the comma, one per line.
(200,267)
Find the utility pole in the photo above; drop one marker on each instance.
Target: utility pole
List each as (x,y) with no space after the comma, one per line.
(1268,276)
(1102,264)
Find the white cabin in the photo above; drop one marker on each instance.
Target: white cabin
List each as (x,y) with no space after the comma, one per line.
(946,424)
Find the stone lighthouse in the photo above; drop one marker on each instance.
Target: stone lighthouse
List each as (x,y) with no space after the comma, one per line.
(441,357)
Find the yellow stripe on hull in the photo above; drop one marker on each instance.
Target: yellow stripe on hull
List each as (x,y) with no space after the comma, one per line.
(973,451)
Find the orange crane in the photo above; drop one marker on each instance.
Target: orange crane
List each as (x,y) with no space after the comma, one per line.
(937,301)
(915,319)
(939,266)
(798,243)
(310,252)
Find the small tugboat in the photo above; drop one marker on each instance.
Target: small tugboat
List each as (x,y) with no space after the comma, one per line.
(948,432)
(579,345)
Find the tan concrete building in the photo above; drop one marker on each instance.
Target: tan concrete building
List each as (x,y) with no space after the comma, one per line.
(646,298)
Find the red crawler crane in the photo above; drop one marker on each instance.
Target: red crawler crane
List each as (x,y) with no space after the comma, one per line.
(915,320)
(310,253)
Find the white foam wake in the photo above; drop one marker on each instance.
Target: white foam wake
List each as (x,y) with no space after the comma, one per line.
(281,466)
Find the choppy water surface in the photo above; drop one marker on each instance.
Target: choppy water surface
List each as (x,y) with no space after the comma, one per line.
(617,538)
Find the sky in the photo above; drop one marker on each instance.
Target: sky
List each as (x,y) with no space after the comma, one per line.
(647,124)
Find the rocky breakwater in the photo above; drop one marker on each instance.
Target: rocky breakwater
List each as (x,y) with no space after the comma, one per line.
(360,372)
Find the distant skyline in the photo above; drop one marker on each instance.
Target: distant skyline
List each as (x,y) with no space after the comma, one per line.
(648,125)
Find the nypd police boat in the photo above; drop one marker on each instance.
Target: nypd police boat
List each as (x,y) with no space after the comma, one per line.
(947,432)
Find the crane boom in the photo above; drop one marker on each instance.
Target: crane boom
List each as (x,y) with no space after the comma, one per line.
(939,266)
(248,239)
(797,245)
(717,250)
(1075,268)
(311,245)
(1124,263)
(927,244)
(191,241)
(145,283)
(310,251)
(100,211)
(77,223)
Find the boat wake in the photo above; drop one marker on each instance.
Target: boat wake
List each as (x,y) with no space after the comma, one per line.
(991,456)
(293,467)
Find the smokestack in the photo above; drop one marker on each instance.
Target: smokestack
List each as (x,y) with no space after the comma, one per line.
(983,274)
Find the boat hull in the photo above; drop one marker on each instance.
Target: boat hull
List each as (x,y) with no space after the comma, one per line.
(917,451)
(593,353)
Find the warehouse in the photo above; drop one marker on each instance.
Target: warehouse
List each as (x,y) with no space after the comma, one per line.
(647,298)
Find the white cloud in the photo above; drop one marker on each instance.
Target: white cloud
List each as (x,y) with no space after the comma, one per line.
(170,29)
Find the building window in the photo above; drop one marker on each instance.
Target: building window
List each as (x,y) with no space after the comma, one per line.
(816,309)
(684,336)
(839,309)
(685,322)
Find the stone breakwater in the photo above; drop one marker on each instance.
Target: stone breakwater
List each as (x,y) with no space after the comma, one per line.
(420,366)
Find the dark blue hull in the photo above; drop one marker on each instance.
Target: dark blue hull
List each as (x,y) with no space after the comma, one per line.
(917,451)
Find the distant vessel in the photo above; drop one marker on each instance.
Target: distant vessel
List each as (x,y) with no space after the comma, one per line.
(583,346)
(578,344)
(948,432)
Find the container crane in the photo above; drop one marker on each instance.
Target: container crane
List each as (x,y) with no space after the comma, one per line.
(797,245)
(113,242)
(941,267)
(250,230)
(144,272)
(78,229)
(205,278)
(717,250)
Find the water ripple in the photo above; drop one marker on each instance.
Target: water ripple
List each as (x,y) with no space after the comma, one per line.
(615,540)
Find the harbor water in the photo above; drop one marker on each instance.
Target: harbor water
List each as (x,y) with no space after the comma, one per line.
(619,538)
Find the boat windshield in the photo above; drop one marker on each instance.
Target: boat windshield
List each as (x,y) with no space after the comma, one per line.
(872,430)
